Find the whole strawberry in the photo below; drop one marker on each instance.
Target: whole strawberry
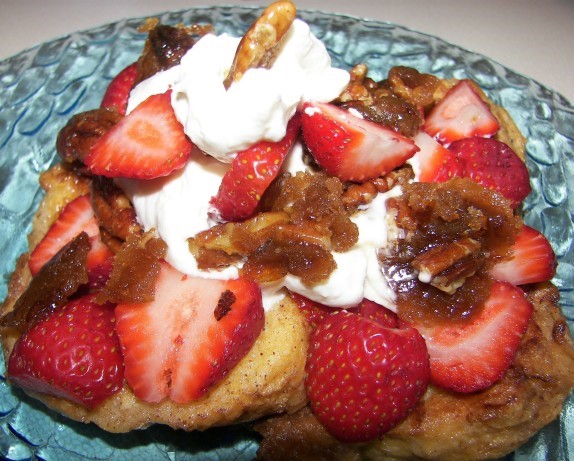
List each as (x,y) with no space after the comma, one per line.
(363,377)
(73,354)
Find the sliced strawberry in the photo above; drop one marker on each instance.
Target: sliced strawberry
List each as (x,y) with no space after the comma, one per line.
(250,174)
(73,354)
(118,91)
(532,260)
(363,377)
(349,147)
(434,162)
(186,340)
(148,143)
(472,356)
(494,165)
(76,217)
(460,114)
(100,263)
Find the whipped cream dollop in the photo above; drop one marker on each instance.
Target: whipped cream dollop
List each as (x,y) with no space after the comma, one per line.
(177,207)
(221,123)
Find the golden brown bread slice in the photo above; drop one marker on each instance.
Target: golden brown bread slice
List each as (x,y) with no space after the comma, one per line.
(269,379)
(448,426)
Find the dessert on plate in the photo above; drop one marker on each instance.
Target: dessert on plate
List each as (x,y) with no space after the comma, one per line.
(242,231)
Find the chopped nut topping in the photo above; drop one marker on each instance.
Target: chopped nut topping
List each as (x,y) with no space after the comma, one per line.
(303,219)
(439,259)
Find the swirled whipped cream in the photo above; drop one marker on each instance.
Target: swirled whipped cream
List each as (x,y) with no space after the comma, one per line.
(222,122)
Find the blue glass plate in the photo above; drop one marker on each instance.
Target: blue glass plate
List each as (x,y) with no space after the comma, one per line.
(42,87)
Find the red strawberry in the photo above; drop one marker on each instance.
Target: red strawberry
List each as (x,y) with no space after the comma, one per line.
(472,356)
(434,161)
(314,312)
(76,217)
(377,313)
(362,377)
(532,260)
(118,91)
(187,339)
(349,147)
(251,173)
(100,263)
(146,144)
(72,354)
(460,114)
(494,165)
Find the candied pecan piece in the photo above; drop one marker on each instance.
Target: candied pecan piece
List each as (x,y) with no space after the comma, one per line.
(311,262)
(135,270)
(431,262)
(320,206)
(359,194)
(413,86)
(447,266)
(113,209)
(52,286)
(82,131)
(390,111)
(258,47)
(452,278)
(359,85)
(239,238)
(212,259)
(165,46)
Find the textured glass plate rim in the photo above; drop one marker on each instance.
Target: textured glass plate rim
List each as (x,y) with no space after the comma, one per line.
(164,437)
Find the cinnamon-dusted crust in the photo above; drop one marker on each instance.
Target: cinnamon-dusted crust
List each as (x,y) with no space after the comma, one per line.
(447,426)
(268,380)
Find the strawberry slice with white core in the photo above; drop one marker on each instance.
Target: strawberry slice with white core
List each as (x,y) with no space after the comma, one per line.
(76,217)
(433,162)
(251,172)
(532,260)
(186,340)
(351,148)
(148,143)
(460,114)
(473,355)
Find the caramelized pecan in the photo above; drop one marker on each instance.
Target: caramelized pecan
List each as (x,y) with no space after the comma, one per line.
(432,262)
(113,209)
(82,131)
(165,46)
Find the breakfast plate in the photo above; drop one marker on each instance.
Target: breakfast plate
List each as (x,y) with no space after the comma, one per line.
(42,87)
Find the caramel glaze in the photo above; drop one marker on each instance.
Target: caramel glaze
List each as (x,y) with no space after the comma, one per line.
(453,233)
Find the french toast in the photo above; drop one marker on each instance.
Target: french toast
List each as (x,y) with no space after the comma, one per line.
(276,234)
